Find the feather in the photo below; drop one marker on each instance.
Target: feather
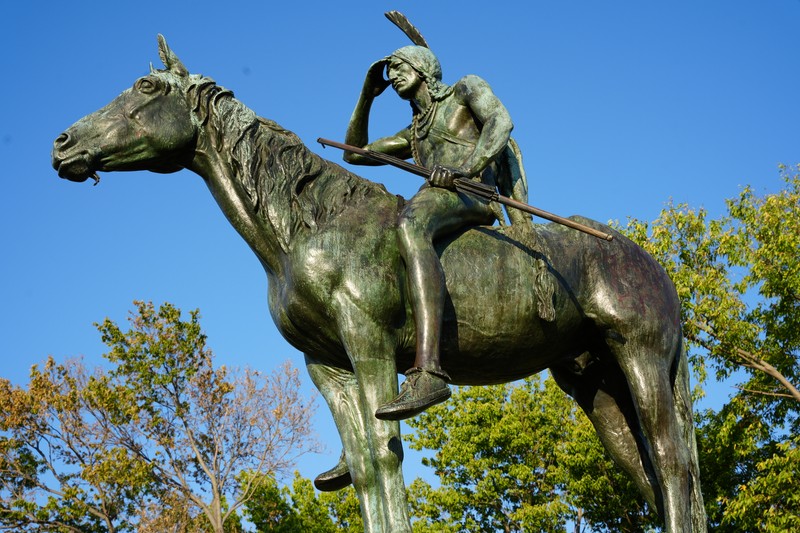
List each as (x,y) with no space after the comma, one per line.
(402,22)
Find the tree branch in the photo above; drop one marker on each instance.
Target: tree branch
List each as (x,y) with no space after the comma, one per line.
(766,393)
(750,360)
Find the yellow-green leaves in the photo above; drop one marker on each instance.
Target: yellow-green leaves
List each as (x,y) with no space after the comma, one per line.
(156,443)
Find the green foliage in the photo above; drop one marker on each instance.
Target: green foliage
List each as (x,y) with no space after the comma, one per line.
(600,493)
(729,447)
(493,457)
(300,509)
(739,282)
(770,501)
(158,357)
(312,511)
(344,509)
(518,458)
(267,509)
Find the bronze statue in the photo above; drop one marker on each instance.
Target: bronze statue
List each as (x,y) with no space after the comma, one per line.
(328,242)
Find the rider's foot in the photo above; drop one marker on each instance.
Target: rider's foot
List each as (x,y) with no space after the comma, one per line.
(334,479)
(420,390)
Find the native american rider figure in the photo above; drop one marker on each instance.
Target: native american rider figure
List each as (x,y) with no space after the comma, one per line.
(459,131)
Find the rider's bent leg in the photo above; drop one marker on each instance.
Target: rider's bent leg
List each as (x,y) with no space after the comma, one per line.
(425,384)
(430,214)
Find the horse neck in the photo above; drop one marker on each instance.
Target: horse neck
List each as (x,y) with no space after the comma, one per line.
(272,188)
(223,155)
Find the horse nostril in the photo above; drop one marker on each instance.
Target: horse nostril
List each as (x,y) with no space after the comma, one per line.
(59,148)
(62,140)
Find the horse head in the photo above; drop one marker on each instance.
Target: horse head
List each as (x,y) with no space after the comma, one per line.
(150,126)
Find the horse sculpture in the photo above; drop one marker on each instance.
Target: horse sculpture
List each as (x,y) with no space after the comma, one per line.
(326,239)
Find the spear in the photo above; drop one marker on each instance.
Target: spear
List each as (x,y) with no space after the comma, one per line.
(467,185)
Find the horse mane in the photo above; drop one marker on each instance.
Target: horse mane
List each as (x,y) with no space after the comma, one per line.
(288,185)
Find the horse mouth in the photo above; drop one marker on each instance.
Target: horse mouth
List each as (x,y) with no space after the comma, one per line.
(78,168)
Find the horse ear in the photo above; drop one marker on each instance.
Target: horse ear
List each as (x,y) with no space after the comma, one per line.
(169,58)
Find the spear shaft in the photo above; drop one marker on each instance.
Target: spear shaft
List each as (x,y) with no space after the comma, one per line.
(467,185)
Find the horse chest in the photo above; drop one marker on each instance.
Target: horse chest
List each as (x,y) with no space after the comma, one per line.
(313,297)
(306,332)
(302,317)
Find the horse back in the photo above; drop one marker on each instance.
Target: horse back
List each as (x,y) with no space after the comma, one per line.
(511,311)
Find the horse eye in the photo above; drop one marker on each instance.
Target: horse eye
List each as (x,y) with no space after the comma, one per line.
(146,86)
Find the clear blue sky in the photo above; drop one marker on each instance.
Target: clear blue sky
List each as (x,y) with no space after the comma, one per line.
(618,106)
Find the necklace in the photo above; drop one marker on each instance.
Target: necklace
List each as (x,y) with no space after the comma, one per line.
(421,124)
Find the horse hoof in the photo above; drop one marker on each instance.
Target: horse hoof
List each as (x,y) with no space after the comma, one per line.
(334,479)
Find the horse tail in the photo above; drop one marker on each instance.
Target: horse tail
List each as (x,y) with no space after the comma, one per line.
(683,407)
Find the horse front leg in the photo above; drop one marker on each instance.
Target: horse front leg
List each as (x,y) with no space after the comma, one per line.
(340,389)
(378,385)
(371,347)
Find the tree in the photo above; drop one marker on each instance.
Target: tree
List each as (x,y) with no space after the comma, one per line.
(300,509)
(494,452)
(159,441)
(268,509)
(59,469)
(770,501)
(603,497)
(739,282)
(518,457)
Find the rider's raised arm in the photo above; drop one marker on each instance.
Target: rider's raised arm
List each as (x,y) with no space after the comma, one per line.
(358,128)
(496,128)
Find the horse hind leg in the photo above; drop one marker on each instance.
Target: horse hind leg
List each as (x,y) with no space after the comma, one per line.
(649,361)
(601,392)
(683,399)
